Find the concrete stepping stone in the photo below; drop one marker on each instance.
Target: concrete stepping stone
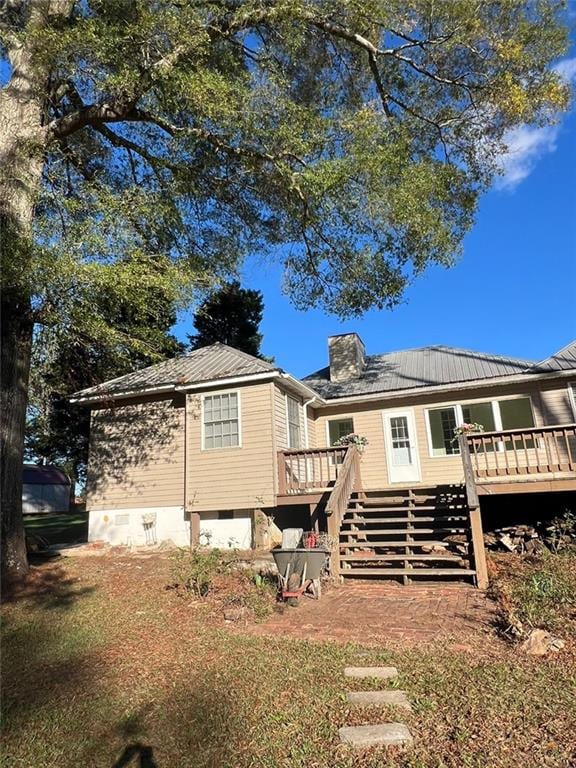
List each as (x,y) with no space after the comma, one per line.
(386,735)
(377,698)
(382,673)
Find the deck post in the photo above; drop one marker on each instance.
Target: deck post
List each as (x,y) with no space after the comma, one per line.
(194,529)
(475,515)
(334,534)
(478,548)
(281,474)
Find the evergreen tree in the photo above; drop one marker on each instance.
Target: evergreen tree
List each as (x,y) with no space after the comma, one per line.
(231,315)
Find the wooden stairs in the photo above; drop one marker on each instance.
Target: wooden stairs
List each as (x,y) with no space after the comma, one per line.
(407,534)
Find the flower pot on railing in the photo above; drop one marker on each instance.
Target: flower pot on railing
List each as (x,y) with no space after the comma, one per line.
(353,439)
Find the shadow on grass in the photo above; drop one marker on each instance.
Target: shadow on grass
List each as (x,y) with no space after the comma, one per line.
(47,586)
(144,757)
(199,723)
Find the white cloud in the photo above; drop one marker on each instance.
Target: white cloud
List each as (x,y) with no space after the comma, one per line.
(527,145)
(566,69)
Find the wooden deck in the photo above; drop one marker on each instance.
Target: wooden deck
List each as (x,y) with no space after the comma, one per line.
(533,460)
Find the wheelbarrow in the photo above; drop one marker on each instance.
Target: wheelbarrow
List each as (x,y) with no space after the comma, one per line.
(299,571)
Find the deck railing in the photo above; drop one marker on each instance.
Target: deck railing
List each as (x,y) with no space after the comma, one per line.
(309,469)
(532,451)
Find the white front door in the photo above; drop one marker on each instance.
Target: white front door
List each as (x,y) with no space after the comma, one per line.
(401,446)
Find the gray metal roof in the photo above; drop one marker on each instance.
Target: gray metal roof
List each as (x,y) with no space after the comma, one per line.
(423,367)
(45,474)
(563,360)
(217,361)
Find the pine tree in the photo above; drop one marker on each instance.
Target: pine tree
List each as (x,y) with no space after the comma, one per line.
(231,315)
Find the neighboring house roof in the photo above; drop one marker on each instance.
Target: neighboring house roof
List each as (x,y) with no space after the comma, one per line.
(35,474)
(217,361)
(563,360)
(412,368)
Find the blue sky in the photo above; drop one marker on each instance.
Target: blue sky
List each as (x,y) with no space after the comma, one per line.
(513,292)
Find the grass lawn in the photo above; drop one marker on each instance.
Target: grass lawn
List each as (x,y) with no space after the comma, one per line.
(103,664)
(59,528)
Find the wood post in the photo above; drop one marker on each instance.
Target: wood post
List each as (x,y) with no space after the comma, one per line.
(194,529)
(281,474)
(334,534)
(260,534)
(475,516)
(478,548)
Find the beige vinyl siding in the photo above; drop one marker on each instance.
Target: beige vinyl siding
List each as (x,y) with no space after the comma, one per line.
(550,405)
(311,424)
(554,406)
(136,455)
(280,425)
(240,477)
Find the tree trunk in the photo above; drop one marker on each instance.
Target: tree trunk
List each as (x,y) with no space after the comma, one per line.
(16,340)
(22,147)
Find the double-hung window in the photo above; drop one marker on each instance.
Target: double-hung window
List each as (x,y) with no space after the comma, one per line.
(221,420)
(493,415)
(293,417)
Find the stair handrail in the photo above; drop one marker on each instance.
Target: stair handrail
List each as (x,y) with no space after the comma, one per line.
(347,482)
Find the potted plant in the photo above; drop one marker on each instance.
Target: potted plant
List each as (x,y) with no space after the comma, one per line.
(353,439)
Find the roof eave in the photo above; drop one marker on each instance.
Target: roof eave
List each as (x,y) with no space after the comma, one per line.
(166,388)
(454,386)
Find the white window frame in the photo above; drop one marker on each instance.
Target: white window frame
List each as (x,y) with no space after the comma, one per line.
(337,418)
(460,418)
(300,447)
(239,400)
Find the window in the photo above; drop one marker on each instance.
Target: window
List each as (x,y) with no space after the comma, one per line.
(442,422)
(401,448)
(493,415)
(221,420)
(479,413)
(516,414)
(294,426)
(339,428)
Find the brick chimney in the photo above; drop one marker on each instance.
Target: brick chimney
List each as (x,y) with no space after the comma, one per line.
(346,354)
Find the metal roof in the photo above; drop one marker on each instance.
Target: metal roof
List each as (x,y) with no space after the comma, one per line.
(412,368)
(44,474)
(563,360)
(217,361)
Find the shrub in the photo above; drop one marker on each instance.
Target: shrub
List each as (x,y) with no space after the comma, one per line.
(196,570)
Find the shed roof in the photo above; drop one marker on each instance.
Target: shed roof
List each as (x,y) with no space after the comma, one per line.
(412,368)
(36,474)
(217,361)
(563,360)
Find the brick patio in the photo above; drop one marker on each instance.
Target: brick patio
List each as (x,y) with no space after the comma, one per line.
(375,613)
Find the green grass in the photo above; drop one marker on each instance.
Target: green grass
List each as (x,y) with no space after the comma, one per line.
(59,528)
(107,663)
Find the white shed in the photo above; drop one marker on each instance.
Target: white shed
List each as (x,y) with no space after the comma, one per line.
(45,489)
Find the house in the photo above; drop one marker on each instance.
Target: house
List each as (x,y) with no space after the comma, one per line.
(217,446)
(45,489)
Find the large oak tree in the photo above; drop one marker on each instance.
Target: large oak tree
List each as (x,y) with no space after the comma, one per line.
(142,139)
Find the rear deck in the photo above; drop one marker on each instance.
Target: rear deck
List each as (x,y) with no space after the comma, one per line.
(420,531)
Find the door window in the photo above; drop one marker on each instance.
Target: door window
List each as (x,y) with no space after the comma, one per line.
(401,448)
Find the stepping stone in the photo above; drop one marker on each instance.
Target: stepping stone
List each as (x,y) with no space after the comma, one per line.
(382,673)
(386,735)
(376,698)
